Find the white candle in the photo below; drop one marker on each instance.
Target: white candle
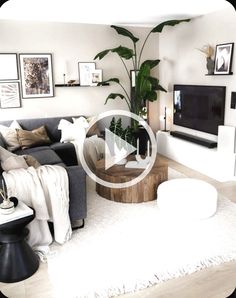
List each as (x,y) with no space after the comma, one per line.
(148,148)
(137,146)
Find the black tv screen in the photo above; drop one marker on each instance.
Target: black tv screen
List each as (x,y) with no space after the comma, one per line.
(199,107)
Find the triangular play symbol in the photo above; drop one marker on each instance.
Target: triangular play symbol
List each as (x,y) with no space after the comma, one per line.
(115,149)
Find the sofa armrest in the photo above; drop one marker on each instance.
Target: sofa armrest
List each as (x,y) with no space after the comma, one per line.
(77,193)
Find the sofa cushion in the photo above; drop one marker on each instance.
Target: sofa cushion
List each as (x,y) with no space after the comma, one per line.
(30,150)
(45,157)
(36,137)
(66,151)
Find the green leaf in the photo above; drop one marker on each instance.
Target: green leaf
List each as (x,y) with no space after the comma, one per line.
(160,27)
(101,54)
(151,96)
(123,52)
(160,88)
(154,82)
(151,63)
(125,32)
(114,96)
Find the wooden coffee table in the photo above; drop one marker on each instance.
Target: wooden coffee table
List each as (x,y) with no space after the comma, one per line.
(143,191)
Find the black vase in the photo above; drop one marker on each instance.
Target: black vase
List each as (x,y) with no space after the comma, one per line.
(143,137)
(210,66)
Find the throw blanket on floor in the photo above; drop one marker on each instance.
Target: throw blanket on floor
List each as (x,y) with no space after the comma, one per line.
(93,150)
(46,190)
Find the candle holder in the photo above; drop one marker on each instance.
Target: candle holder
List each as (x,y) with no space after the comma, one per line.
(141,160)
(7,206)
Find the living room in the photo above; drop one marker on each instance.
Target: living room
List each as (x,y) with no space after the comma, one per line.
(181,63)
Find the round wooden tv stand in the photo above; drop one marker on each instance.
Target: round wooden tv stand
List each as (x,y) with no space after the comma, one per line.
(143,191)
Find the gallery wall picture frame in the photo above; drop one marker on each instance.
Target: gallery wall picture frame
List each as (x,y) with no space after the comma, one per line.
(10,95)
(36,75)
(85,70)
(96,77)
(223,58)
(8,67)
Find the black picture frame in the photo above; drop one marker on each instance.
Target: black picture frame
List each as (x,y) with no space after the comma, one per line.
(223,58)
(36,75)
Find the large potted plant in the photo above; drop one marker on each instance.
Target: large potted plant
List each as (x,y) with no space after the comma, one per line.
(146,86)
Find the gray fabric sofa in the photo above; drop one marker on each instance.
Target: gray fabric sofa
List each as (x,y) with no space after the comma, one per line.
(58,153)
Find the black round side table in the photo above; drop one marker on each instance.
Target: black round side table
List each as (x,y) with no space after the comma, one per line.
(17,259)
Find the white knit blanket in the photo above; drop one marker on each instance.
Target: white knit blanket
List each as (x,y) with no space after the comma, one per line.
(127,247)
(46,190)
(93,150)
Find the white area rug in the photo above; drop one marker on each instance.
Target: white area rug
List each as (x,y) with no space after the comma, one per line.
(127,247)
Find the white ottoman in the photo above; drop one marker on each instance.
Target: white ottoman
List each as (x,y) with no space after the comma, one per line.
(187,198)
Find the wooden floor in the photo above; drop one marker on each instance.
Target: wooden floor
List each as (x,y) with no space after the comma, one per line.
(217,282)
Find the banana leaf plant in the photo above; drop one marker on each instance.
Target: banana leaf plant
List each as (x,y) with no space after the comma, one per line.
(146,86)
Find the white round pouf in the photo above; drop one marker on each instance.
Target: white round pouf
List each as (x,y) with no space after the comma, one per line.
(187,198)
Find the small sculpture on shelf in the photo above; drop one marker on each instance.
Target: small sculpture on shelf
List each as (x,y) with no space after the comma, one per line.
(71,82)
(208,51)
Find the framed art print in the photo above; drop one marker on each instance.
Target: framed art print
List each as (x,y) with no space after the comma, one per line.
(85,70)
(36,75)
(223,58)
(9,95)
(8,67)
(96,77)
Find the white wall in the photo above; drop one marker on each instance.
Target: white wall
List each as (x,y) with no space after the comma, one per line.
(69,43)
(182,63)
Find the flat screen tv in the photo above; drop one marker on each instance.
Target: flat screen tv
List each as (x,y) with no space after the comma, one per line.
(199,107)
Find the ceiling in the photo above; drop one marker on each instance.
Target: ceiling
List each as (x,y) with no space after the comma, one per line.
(123,12)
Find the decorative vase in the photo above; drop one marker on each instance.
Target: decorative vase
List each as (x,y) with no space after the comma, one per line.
(210,65)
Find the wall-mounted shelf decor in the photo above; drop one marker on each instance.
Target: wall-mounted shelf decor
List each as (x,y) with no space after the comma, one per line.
(78,85)
(36,75)
(219,74)
(223,58)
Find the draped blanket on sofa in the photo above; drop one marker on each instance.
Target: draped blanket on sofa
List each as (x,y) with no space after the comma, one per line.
(46,190)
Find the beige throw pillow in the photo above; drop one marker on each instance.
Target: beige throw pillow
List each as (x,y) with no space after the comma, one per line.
(10,136)
(31,161)
(11,161)
(36,137)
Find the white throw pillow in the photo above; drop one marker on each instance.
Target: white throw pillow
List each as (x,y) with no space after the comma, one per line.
(90,131)
(72,131)
(10,135)
(81,121)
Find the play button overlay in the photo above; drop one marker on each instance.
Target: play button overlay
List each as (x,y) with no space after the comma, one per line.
(116,149)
